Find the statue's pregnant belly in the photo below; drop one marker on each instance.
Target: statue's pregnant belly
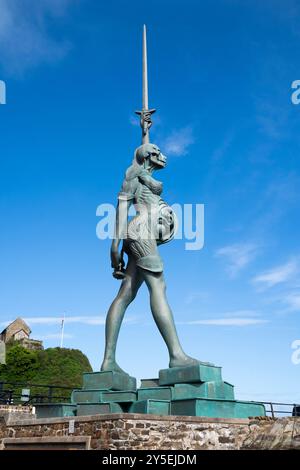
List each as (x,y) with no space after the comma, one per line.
(153,222)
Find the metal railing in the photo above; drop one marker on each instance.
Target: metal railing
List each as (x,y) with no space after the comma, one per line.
(11,393)
(277,409)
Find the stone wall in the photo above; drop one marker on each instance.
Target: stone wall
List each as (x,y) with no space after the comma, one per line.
(23,409)
(135,431)
(279,434)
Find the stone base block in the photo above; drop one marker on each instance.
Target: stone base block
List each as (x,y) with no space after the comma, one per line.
(122,396)
(87,409)
(197,373)
(217,408)
(149,383)
(214,390)
(152,407)
(108,380)
(86,396)
(155,393)
(98,396)
(218,390)
(53,410)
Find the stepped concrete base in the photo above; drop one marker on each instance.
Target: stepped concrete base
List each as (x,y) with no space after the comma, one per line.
(218,390)
(196,390)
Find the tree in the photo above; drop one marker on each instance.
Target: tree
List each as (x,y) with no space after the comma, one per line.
(21,364)
(53,366)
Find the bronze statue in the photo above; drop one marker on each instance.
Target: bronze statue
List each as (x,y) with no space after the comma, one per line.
(153,224)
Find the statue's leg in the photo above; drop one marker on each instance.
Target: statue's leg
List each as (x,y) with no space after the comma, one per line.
(164,320)
(128,290)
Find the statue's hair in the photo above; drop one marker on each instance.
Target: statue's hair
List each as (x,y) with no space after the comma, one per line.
(143,152)
(140,154)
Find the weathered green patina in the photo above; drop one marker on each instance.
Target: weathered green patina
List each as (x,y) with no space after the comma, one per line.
(216,408)
(217,390)
(108,380)
(146,383)
(151,407)
(84,409)
(52,410)
(194,373)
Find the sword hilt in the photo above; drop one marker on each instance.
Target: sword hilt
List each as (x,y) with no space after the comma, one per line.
(145,122)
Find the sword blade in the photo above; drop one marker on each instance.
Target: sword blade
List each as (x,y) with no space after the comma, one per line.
(145,70)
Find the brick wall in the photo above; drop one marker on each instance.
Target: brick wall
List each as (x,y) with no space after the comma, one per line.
(134,431)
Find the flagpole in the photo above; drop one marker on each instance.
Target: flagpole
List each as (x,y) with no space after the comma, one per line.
(62,330)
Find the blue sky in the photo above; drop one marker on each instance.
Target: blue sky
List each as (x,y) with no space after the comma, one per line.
(220,75)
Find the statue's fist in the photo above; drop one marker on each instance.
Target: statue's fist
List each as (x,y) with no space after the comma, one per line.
(117,261)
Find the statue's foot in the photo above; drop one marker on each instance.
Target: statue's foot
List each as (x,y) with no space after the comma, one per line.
(185,361)
(112,365)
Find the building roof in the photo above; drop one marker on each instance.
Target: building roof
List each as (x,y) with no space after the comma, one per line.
(20,324)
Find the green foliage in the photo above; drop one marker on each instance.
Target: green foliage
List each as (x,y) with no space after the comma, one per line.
(22,364)
(53,366)
(62,367)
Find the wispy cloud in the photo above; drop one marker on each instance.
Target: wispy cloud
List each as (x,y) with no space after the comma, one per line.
(277,275)
(238,256)
(178,142)
(88,320)
(55,336)
(235,321)
(25,40)
(85,320)
(221,151)
(292,300)
(271,119)
(195,297)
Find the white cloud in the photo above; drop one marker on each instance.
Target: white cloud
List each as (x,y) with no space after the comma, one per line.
(228,322)
(221,151)
(241,313)
(196,297)
(178,142)
(293,301)
(86,320)
(25,40)
(55,336)
(238,256)
(277,275)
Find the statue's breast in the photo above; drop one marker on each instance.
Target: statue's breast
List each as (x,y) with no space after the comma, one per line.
(166,223)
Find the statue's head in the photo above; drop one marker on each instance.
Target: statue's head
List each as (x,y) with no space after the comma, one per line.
(152,154)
